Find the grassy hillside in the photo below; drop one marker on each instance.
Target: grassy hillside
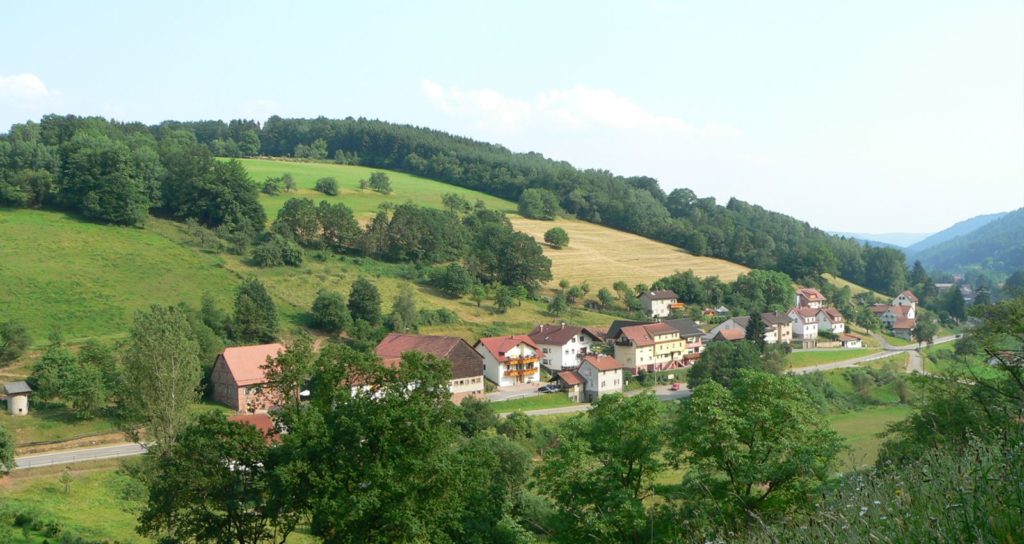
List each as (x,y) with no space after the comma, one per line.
(597,254)
(364,203)
(87,280)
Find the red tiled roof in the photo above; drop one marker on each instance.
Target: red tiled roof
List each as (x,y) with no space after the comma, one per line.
(805,312)
(663,294)
(603,363)
(466,362)
(498,345)
(246,362)
(811,294)
(904,323)
(909,295)
(570,377)
(262,422)
(833,315)
(558,335)
(731,335)
(849,337)
(643,335)
(879,309)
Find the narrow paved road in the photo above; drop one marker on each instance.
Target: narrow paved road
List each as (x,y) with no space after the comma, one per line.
(66,457)
(915,357)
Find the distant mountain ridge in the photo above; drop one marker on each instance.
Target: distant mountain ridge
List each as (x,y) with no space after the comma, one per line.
(959,229)
(997,246)
(886,239)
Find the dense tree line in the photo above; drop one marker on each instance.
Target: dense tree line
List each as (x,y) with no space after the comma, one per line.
(33,172)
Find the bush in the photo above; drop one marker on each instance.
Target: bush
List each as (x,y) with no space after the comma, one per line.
(380,182)
(330,312)
(557,237)
(327,186)
(277,250)
(441,316)
(453,280)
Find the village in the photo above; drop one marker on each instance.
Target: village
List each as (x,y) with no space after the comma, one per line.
(583,363)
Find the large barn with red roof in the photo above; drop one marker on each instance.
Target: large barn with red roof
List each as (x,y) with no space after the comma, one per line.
(238,374)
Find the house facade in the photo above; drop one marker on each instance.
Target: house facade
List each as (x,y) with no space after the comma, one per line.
(601,375)
(692,335)
(648,347)
(510,360)
(238,376)
(805,325)
(659,303)
(829,319)
(467,364)
(851,341)
(571,383)
(782,325)
(777,328)
(562,346)
(906,298)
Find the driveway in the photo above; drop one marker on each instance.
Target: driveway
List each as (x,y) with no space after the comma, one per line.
(514,392)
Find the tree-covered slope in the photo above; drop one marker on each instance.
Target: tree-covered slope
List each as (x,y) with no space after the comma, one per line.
(959,229)
(997,246)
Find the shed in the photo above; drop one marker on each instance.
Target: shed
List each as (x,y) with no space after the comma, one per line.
(17,397)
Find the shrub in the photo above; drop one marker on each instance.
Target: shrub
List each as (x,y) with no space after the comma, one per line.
(327,186)
(277,250)
(557,237)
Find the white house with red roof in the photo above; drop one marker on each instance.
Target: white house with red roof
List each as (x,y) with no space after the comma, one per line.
(601,375)
(906,298)
(562,346)
(830,319)
(805,325)
(660,303)
(809,297)
(510,360)
(238,376)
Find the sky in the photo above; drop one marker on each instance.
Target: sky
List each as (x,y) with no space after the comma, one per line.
(854,116)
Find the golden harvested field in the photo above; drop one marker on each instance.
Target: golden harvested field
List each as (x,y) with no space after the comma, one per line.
(602,256)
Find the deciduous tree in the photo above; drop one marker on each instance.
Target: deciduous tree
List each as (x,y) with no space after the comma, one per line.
(255,314)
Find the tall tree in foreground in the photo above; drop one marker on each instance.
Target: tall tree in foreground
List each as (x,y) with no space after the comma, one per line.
(162,366)
(604,467)
(255,313)
(215,485)
(757,449)
(6,451)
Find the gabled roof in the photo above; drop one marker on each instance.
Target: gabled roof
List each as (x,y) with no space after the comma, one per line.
(618,324)
(499,345)
(466,362)
(879,309)
(245,363)
(803,311)
(17,388)
(730,335)
(904,323)
(911,296)
(686,327)
(663,294)
(643,335)
(811,294)
(775,318)
(832,314)
(570,377)
(558,335)
(602,363)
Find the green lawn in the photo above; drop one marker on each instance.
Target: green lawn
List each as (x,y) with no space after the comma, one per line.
(405,187)
(861,428)
(800,358)
(895,340)
(536,402)
(50,422)
(87,280)
(943,358)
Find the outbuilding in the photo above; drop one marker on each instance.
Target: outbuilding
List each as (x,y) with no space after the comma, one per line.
(17,397)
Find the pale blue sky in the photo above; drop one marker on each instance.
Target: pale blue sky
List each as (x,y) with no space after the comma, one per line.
(855,116)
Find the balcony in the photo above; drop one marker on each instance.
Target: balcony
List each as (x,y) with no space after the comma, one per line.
(520,372)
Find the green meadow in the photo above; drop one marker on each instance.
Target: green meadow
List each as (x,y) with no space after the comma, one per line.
(800,358)
(363,202)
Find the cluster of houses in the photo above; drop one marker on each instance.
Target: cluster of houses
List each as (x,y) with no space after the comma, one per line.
(900,317)
(585,362)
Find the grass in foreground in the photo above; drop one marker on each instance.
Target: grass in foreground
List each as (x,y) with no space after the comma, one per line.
(799,359)
(536,402)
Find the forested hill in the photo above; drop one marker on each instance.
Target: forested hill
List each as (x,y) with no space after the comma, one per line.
(740,232)
(997,246)
(959,229)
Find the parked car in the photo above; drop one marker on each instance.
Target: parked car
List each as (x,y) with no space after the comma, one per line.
(550,388)
(676,386)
